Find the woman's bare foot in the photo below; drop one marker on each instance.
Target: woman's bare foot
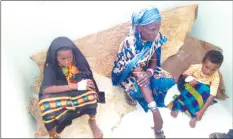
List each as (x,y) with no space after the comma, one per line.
(193,122)
(158,134)
(129,100)
(97,133)
(174,114)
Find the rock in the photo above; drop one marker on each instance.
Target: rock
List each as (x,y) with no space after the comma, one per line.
(192,52)
(101,48)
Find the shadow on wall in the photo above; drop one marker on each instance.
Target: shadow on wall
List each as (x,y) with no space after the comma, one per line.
(31,26)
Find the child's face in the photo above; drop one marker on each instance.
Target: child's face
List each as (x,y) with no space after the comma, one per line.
(65,57)
(209,68)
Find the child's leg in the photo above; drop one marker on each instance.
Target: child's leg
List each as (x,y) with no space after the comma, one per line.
(174,114)
(192,122)
(174,106)
(97,133)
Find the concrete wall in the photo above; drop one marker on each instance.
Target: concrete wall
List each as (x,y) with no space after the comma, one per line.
(28,27)
(214,25)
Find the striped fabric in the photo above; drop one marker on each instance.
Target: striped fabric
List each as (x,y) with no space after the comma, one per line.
(62,104)
(212,80)
(191,99)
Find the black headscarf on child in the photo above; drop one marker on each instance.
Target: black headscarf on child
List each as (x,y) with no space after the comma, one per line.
(52,72)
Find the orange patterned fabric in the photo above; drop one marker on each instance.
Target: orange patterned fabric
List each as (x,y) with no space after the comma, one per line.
(212,80)
(69,72)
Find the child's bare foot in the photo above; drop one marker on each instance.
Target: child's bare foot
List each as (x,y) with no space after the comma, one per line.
(174,114)
(58,137)
(53,134)
(55,137)
(97,133)
(129,100)
(193,122)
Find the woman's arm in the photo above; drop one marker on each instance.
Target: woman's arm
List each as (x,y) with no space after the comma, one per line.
(153,62)
(146,75)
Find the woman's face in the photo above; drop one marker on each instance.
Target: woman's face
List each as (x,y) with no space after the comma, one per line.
(65,57)
(150,32)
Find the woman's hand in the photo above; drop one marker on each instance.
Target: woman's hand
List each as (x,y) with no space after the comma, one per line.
(90,85)
(143,78)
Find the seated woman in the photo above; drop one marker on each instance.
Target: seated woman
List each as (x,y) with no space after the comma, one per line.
(137,65)
(68,89)
(198,87)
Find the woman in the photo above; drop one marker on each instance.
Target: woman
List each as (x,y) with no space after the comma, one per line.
(68,89)
(137,66)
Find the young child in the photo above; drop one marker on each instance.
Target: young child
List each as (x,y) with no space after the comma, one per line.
(198,87)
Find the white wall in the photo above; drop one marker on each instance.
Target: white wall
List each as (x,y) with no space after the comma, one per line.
(28,27)
(214,25)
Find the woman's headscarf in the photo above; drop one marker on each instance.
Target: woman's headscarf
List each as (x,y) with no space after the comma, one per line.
(143,17)
(146,16)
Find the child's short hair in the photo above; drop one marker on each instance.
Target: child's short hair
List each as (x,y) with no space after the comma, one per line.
(214,56)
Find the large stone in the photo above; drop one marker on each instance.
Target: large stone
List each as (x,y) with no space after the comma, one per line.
(192,52)
(101,48)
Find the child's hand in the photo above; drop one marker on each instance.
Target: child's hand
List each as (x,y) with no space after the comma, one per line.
(199,115)
(90,85)
(193,82)
(185,75)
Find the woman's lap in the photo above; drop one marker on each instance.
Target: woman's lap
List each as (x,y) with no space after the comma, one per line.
(159,88)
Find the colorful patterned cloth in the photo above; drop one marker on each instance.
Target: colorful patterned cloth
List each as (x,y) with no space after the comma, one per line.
(54,107)
(57,106)
(69,72)
(213,80)
(191,98)
(59,109)
(124,64)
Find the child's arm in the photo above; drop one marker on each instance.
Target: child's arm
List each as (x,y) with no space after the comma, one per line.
(190,70)
(206,105)
(213,92)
